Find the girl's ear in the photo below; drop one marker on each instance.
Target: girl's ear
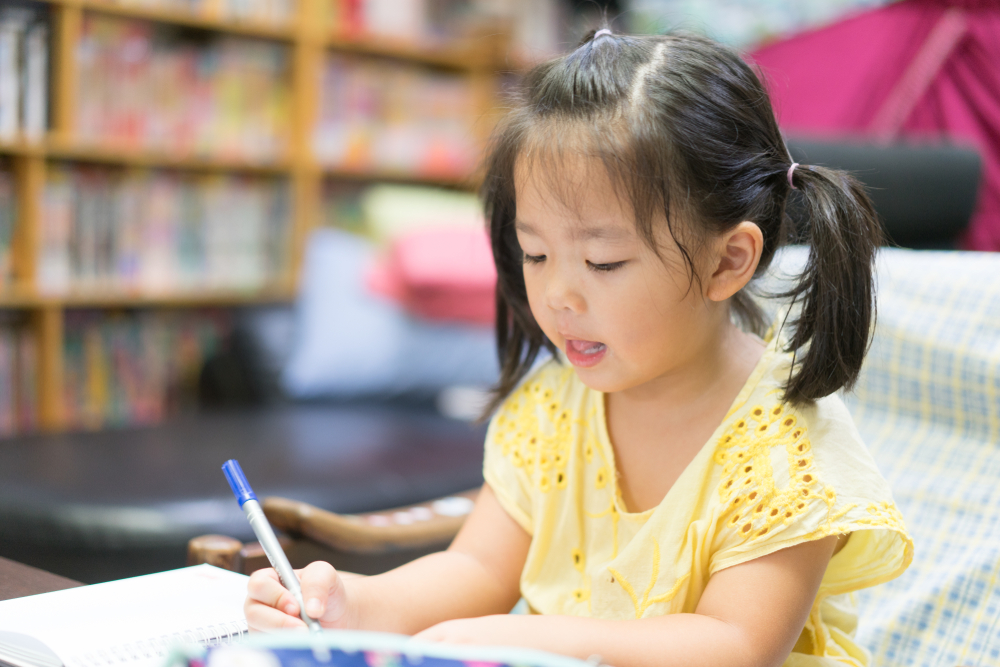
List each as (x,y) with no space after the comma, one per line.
(736,256)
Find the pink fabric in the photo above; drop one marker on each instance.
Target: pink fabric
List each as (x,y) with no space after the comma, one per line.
(440,274)
(926,69)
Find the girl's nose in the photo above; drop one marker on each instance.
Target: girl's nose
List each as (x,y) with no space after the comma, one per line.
(562,293)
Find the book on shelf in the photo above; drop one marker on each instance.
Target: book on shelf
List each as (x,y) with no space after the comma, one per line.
(160,232)
(119,369)
(402,118)
(398,19)
(152,86)
(8,218)
(24,48)
(537,28)
(136,369)
(274,12)
(18,374)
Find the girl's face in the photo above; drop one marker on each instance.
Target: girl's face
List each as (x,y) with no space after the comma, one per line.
(624,316)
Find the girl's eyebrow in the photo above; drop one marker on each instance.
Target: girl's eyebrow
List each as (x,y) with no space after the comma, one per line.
(524,228)
(582,232)
(607,232)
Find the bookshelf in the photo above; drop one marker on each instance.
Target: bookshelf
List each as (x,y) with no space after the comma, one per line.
(307,41)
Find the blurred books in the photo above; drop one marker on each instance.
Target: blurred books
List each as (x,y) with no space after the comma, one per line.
(136,368)
(274,12)
(18,373)
(400,20)
(8,218)
(536,27)
(153,86)
(394,117)
(24,69)
(149,232)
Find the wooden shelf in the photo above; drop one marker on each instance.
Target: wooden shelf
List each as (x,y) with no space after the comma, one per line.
(182,18)
(23,299)
(456,182)
(139,157)
(464,57)
(22,147)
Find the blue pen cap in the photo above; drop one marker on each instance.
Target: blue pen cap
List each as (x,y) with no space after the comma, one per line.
(241,488)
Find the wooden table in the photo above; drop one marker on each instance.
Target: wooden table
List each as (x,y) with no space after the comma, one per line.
(18,580)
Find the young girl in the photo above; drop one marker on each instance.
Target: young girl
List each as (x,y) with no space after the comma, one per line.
(670,488)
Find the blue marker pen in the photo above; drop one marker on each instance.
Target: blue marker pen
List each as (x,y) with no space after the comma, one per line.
(262,529)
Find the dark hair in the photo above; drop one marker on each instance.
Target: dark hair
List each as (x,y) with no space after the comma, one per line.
(681,121)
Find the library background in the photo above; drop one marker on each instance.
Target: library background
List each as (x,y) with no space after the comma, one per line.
(249,229)
(162,163)
(165,166)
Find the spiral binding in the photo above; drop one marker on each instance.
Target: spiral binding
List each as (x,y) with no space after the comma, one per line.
(216,634)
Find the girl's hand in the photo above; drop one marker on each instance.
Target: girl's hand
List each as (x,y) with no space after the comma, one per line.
(498,630)
(269,605)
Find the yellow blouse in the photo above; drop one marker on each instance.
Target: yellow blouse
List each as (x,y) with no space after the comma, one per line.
(771,476)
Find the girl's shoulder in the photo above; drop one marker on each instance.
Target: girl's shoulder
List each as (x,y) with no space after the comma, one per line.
(786,473)
(762,406)
(820,433)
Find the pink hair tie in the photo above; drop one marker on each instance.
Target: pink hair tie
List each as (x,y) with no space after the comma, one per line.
(791,170)
(602,31)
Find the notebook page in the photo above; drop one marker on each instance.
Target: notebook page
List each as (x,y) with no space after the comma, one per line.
(132,621)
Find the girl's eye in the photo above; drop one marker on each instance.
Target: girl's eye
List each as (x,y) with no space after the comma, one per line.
(610,266)
(533,259)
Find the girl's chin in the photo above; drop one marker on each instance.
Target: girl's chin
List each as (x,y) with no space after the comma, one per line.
(598,381)
(607,377)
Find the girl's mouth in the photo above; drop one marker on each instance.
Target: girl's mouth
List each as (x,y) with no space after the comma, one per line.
(585,353)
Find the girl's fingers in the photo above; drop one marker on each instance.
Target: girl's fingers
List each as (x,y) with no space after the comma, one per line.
(263,618)
(265,587)
(270,606)
(319,583)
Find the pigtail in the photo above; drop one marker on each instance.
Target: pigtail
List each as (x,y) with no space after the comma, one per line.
(836,291)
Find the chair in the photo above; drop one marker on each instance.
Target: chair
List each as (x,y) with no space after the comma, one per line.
(925,194)
(361,543)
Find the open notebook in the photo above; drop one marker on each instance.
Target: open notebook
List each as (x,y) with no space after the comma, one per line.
(132,622)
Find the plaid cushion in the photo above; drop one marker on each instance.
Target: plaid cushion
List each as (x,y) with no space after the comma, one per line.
(928,405)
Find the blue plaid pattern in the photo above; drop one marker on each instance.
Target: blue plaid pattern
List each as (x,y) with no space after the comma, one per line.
(928,405)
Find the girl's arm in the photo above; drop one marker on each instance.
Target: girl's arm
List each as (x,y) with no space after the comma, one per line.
(479,574)
(750,615)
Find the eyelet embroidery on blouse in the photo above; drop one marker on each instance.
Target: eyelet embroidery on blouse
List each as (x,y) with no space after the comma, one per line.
(539,446)
(753,505)
(884,514)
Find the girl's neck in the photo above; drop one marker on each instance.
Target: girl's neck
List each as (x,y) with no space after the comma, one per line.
(720,363)
(656,429)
